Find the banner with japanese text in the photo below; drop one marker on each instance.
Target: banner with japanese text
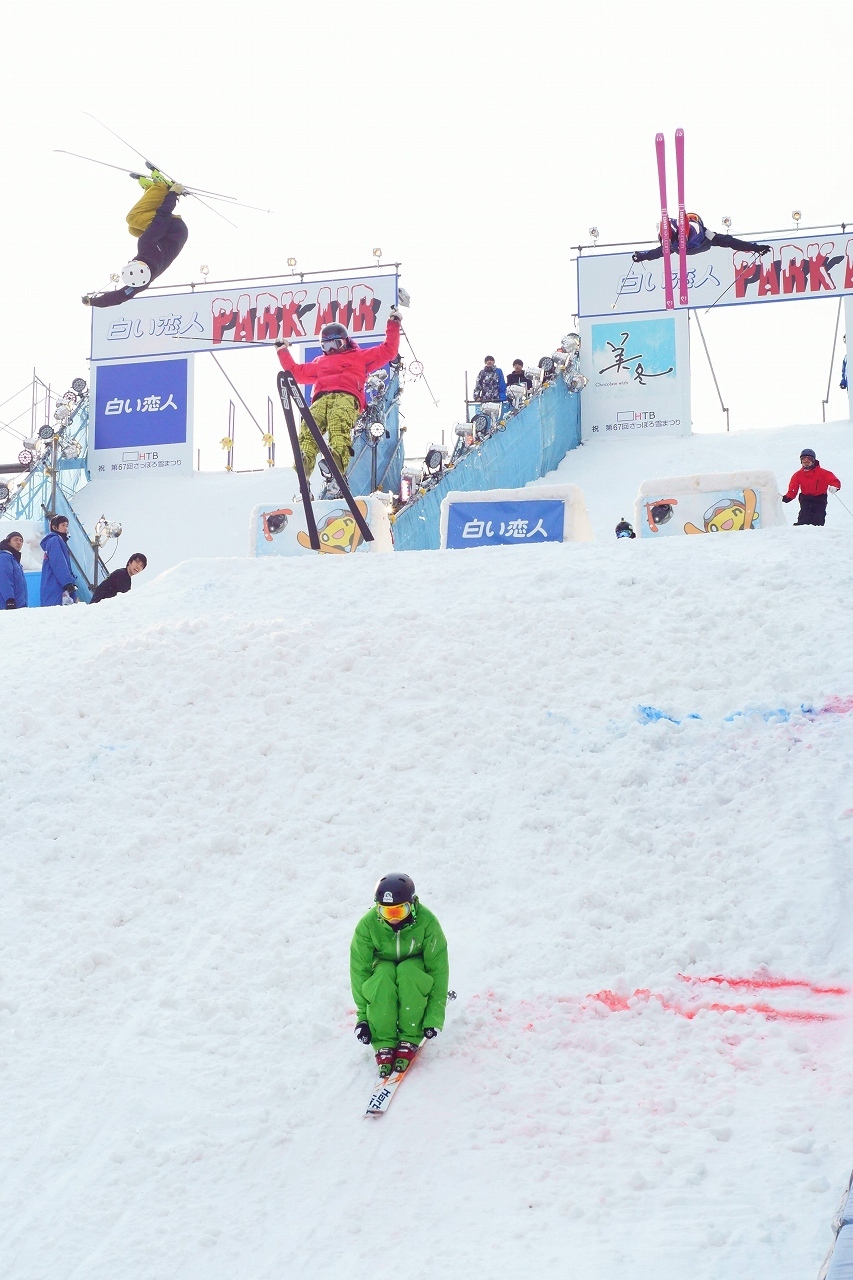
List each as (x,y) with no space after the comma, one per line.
(143,417)
(492,524)
(813,265)
(638,371)
(234,318)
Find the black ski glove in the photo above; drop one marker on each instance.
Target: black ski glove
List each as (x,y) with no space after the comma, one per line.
(762,249)
(430,1033)
(635,257)
(283,342)
(10,604)
(787,499)
(362,1031)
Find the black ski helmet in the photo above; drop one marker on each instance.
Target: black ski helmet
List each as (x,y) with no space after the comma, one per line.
(394,889)
(808,453)
(624,529)
(336,335)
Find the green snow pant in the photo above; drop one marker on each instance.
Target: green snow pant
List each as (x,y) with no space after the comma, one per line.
(396,996)
(335,414)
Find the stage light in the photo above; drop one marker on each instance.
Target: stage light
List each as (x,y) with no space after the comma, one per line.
(71,450)
(796,215)
(377,253)
(594,232)
(727,222)
(62,413)
(205,271)
(25,457)
(403,296)
(570,343)
(291,262)
(4,492)
(577,382)
(79,385)
(377,430)
(46,432)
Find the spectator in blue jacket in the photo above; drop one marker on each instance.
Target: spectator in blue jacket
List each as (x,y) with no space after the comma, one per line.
(13,584)
(490,387)
(57,576)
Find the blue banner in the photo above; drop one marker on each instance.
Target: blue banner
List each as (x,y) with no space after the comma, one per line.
(141,404)
(493,524)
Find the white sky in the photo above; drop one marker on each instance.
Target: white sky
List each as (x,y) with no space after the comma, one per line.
(475,143)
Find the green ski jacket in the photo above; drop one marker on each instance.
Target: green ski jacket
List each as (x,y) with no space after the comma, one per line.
(375,940)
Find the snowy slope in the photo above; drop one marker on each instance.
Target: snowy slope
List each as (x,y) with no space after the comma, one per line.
(203,781)
(610,472)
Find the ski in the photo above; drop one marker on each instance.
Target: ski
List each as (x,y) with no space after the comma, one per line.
(660,148)
(682,219)
(380,1099)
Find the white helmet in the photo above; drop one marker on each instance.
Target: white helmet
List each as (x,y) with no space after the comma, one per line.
(136,274)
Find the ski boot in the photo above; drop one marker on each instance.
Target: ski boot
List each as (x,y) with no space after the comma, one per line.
(385,1062)
(405,1055)
(146,182)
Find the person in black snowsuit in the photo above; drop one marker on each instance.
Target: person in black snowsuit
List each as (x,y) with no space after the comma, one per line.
(119,580)
(162,235)
(700,240)
(518,377)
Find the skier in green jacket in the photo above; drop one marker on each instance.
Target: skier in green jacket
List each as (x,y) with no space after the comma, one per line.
(399,974)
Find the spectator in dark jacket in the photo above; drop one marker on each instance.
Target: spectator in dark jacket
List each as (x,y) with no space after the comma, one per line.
(119,580)
(518,378)
(57,576)
(490,387)
(13,584)
(813,483)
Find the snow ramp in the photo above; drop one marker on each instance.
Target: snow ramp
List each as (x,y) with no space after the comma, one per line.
(620,776)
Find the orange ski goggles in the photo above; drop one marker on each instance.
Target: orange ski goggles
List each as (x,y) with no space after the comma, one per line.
(394,912)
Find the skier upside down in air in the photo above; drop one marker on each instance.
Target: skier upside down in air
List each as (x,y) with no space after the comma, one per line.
(699,240)
(162,234)
(399,974)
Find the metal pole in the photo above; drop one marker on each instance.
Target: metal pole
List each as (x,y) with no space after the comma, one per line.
(711,367)
(825,402)
(270,432)
(466,395)
(232,418)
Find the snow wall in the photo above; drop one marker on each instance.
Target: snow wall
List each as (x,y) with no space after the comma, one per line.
(534,443)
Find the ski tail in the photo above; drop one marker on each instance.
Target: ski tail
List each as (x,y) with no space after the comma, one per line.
(660,148)
(682,219)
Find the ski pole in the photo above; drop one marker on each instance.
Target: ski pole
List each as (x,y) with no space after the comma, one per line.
(414,357)
(195,191)
(622,284)
(844,505)
(754,263)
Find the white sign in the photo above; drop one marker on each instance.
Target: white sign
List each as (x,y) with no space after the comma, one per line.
(725,502)
(808,266)
(514,517)
(638,371)
(142,417)
(220,319)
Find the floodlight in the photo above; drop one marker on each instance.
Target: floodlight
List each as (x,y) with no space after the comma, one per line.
(25,457)
(727,222)
(79,385)
(46,432)
(4,492)
(403,296)
(594,232)
(434,461)
(546,364)
(62,413)
(570,343)
(377,430)
(577,382)
(516,394)
(72,449)
(796,215)
(291,262)
(377,253)
(205,269)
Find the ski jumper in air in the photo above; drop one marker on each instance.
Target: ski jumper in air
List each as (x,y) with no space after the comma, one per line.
(399,974)
(699,240)
(337,378)
(162,234)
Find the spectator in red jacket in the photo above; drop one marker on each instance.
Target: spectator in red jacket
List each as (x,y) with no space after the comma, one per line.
(337,378)
(813,482)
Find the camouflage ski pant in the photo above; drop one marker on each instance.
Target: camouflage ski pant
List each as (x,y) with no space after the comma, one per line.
(335,414)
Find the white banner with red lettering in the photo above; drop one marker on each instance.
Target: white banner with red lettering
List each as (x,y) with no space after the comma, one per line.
(818,265)
(223,318)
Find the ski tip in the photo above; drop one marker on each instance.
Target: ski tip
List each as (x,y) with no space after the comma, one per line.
(659,137)
(679,133)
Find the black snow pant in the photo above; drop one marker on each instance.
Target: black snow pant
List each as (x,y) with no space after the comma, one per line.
(159,245)
(812,508)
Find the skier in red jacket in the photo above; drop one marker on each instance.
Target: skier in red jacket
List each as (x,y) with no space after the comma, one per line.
(338,378)
(813,482)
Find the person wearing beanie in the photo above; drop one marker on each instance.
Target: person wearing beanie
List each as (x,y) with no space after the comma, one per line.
(119,580)
(813,482)
(57,576)
(13,584)
(490,387)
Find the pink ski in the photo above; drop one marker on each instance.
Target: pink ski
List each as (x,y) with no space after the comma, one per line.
(682,219)
(660,147)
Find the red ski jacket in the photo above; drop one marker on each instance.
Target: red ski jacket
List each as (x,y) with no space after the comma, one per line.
(812,483)
(344,370)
